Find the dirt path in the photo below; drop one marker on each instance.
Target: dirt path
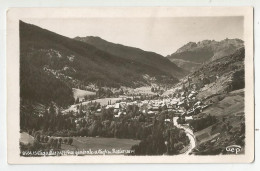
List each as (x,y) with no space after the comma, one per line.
(189,133)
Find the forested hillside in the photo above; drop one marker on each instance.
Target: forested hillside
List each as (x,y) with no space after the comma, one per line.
(52,64)
(144,57)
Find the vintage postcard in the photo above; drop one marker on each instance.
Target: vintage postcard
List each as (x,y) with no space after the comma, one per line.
(130,85)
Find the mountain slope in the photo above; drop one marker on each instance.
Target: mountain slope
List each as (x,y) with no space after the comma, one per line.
(51,64)
(219,87)
(148,58)
(224,91)
(38,86)
(222,75)
(192,55)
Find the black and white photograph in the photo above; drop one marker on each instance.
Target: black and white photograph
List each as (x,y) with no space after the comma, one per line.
(128,86)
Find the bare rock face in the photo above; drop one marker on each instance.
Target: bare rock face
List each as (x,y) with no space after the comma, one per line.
(187,47)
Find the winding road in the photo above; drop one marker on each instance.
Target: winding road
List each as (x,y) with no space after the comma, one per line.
(189,133)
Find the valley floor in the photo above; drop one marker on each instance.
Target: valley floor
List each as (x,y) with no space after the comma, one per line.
(98,143)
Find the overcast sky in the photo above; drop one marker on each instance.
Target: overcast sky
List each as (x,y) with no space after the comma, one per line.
(160,35)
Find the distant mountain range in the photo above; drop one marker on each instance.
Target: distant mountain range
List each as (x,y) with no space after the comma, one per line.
(192,55)
(51,65)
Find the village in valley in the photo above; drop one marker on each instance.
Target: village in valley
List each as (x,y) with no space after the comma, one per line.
(86,93)
(136,113)
(179,106)
(180,101)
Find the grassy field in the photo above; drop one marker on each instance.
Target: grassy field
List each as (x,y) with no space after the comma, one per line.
(232,104)
(25,138)
(77,93)
(229,110)
(143,90)
(229,107)
(102,102)
(94,143)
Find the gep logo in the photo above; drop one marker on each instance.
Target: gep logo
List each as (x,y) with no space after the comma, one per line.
(234,148)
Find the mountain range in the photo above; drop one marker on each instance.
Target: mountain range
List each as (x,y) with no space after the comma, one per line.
(192,55)
(52,64)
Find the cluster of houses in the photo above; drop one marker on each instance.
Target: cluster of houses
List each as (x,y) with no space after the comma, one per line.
(177,105)
(183,103)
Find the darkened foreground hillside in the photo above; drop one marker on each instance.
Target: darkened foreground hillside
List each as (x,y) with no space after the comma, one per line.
(52,64)
(192,55)
(148,58)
